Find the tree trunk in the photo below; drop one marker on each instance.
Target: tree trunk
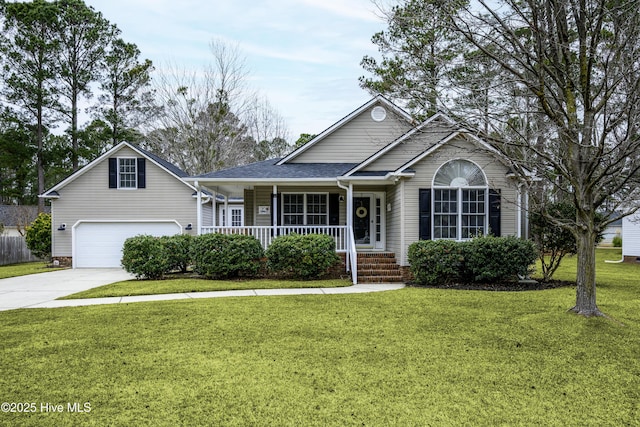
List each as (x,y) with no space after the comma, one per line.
(586,272)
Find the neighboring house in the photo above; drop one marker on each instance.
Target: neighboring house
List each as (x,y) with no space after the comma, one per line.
(16,217)
(374,181)
(631,238)
(377,183)
(125,192)
(612,230)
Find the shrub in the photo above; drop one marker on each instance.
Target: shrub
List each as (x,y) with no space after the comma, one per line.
(483,259)
(617,241)
(145,256)
(493,259)
(302,256)
(435,261)
(222,256)
(178,248)
(38,236)
(553,241)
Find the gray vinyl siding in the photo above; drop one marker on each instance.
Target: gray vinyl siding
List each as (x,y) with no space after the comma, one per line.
(411,148)
(89,197)
(394,221)
(249,207)
(356,140)
(459,149)
(207,214)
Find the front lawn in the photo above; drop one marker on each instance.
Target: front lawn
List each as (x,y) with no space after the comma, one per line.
(182,285)
(15,270)
(416,356)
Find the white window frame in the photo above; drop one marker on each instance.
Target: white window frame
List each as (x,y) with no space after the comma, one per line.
(225,216)
(459,204)
(305,213)
(120,173)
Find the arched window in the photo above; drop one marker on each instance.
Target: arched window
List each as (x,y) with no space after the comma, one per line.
(460,201)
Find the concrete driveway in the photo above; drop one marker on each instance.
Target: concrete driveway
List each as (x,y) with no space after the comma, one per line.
(36,289)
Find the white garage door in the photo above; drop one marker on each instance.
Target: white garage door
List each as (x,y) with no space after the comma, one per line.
(99,244)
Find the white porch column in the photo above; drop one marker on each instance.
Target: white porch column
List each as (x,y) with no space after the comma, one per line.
(214,213)
(226,210)
(519,218)
(274,216)
(526,212)
(198,208)
(350,206)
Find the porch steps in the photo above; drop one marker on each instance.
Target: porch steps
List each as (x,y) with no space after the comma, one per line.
(378,267)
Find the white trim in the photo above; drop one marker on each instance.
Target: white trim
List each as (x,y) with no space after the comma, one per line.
(226,213)
(304,213)
(375,156)
(112,221)
(107,154)
(459,214)
(484,175)
(199,207)
(135,173)
(373,196)
(403,254)
(345,120)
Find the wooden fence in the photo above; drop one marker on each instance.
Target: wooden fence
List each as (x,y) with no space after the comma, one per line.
(13,250)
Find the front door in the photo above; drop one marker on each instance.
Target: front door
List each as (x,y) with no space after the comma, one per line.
(368,220)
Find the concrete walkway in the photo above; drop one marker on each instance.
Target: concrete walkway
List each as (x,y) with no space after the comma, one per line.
(41,290)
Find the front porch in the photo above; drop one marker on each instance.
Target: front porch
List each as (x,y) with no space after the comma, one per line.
(363,266)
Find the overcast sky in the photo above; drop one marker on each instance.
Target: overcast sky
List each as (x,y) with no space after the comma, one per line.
(304,55)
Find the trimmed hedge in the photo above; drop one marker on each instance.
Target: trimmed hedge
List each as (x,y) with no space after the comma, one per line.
(145,256)
(179,249)
(436,261)
(218,256)
(302,256)
(495,259)
(480,260)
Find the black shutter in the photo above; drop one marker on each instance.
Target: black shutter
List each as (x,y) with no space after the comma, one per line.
(424,208)
(494,212)
(334,209)
(113,172)
(142,173)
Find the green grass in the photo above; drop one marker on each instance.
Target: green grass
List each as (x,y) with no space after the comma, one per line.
(410,357)
(181,285)
(15,270)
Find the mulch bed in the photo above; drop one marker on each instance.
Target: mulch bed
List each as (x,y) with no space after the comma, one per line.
(500,287)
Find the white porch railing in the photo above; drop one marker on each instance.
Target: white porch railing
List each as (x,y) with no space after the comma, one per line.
(266,234)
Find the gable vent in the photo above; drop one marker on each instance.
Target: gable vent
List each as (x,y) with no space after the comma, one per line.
(378,113)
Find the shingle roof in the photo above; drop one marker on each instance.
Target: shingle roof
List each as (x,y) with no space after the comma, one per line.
(12,215)
(162,162)
(269,169)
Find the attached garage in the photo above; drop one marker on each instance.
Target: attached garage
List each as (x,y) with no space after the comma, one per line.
(98,244)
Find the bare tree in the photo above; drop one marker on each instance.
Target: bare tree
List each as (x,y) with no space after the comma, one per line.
(577,67)
(268,129)
(210,119)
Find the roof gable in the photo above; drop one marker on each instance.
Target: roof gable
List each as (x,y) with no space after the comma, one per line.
(355,136)
(161,163)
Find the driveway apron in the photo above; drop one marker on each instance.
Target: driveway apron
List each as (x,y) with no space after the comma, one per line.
(37,289)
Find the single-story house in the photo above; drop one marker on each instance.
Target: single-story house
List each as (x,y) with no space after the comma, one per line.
(375,180)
